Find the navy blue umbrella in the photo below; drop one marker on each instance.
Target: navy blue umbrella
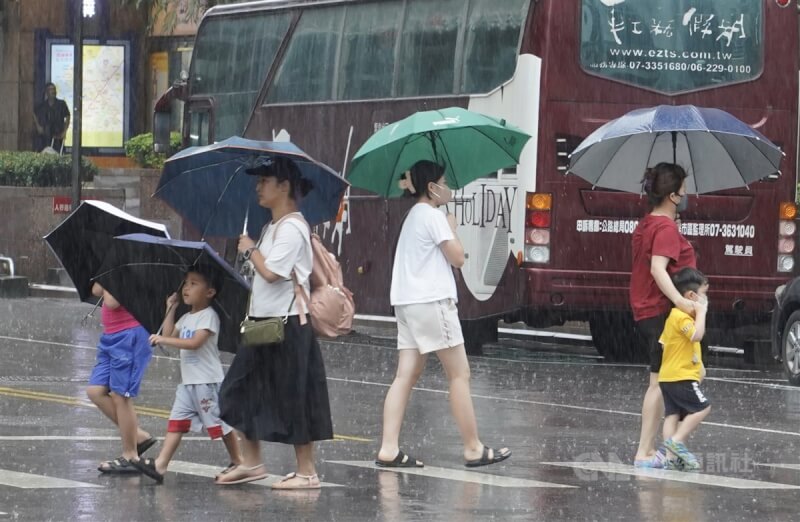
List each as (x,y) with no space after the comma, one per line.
(209,188)
(141,270)
(716,149)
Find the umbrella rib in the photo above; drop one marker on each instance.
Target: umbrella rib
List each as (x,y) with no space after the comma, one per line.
(691,162)
(444,148)
(117,267)
(222,194)
(162,187)
(396,161)
(738,169)
(515,160)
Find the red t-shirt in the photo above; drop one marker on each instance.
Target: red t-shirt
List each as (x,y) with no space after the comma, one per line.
(656,236)
(116,320)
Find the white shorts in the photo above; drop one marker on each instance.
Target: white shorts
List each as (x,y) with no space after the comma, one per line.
(197,406)
(428,327)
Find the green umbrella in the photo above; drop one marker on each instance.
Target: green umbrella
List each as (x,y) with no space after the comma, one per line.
(469,145)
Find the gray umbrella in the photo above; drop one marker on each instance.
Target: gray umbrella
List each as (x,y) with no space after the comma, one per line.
(717,150)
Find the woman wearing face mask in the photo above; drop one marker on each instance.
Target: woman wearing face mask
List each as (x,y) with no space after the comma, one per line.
(423,293)
(659,250)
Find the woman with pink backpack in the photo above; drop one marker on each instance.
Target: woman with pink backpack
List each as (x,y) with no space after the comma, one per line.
(277,392)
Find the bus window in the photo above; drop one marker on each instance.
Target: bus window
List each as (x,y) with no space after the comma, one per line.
(367,58)
(307,71)
(232,56)
(428,47)
(199,121)
(492,39)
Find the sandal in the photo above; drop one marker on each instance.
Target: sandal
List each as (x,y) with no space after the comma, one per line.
(148,467)
(145,445)
(490,456)
(240,475)
(120,466)
(225,471)
(312,482)
(400,461)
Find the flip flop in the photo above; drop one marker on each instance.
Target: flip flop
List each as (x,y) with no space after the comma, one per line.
(145,445)
(312,482)
(225,471)
(400,461)
(496,456)
(120,466)
(242,480)
(148,467)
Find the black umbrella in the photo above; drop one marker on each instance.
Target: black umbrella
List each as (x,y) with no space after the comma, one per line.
(81,241)
(140,271)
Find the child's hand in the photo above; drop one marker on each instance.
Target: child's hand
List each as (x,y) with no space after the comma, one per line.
(172,301)
(701,305)
(156,339)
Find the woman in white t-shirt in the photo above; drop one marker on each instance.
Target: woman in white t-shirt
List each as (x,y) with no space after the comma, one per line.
(278,393)
(424,297)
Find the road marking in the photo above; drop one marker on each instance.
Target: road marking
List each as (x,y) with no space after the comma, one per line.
(15,479)
(141,410)
(675,476)
(751,383)
(455,474)
(203,470)
(795,467)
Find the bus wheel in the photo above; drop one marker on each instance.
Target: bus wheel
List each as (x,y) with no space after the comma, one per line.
(791,348)
(615,338)
(477,332)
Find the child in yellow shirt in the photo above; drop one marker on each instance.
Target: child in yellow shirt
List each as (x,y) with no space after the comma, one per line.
(682,370)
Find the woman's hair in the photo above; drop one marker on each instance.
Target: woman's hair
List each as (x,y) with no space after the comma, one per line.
(282,169)
(661,181)
(689,279)
(420,175)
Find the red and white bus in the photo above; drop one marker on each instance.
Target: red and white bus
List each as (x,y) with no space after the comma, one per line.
(542,246)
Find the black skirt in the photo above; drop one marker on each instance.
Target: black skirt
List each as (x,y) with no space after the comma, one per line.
(279,393)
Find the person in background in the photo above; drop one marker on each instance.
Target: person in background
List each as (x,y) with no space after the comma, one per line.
(51,118)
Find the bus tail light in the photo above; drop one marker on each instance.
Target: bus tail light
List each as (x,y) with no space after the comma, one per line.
(787,228)
(538,218)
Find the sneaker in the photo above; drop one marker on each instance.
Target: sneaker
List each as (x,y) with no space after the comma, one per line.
(679,449)
(655,462)
(674,464)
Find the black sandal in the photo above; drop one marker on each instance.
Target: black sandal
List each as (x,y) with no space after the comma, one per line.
(148,467)
(496,456)
(120,466)
(145,445)
(400,461)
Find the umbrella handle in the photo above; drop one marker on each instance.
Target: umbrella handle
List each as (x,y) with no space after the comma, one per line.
(85,319)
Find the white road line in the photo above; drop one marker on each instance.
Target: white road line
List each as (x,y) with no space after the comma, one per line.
(12,438)
(751,383)
(15,479)
(455,474)
(203,470)
(675,476)
(795,467)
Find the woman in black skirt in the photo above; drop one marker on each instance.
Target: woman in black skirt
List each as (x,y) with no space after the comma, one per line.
(278,393)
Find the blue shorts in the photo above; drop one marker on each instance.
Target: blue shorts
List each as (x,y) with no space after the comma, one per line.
(122,359)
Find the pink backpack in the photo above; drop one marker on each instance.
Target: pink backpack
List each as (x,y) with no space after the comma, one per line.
(331,304)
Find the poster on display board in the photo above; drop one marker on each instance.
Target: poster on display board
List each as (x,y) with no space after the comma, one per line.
(105,90)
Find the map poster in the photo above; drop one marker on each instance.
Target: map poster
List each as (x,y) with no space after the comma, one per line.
(103,91)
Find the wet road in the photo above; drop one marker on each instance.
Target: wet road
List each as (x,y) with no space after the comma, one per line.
(571,420)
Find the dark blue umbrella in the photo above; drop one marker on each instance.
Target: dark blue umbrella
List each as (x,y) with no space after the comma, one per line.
(141,270)
(716,149)
(209,188)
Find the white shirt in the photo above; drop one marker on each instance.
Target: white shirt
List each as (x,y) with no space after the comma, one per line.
(201,366)
(290,250)
(421,272)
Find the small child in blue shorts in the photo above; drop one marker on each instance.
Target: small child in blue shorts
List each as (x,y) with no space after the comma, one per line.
(197,397)
(122,358)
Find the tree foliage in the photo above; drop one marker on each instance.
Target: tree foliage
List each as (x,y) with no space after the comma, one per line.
(174,10)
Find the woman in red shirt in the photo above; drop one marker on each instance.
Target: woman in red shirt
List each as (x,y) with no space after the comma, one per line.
(659,250)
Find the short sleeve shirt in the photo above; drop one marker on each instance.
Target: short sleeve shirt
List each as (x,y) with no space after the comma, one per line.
(681,360)
(656,236)
(52,117)
(201,366)
(286,247)
(421,272)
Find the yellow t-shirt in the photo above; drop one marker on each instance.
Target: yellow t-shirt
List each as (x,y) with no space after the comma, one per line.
(681,360)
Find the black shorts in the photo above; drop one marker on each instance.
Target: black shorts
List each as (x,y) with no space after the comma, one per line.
(649,331)
(683,397)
